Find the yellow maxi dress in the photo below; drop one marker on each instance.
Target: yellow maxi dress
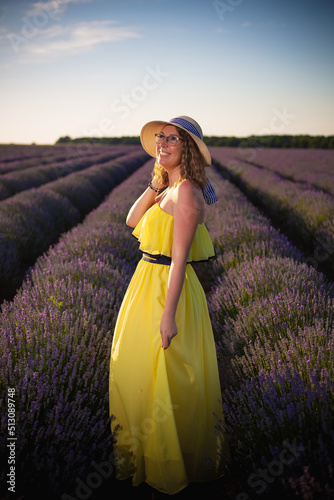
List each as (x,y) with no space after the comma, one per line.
(165,403)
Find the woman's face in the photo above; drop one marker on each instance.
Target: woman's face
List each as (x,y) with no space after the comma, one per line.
(169,156)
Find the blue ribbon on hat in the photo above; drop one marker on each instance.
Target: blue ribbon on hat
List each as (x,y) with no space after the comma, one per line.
(209,194)
(188,126)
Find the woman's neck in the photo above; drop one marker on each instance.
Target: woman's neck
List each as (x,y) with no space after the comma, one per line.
(174,175)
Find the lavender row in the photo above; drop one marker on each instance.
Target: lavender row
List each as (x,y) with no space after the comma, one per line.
(306,215)
(314,167)
(13,153)
(273,322)
(55,346)
(32,220)
(35,176)
(15,157)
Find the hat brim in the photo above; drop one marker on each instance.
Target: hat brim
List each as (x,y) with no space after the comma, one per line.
(155,127)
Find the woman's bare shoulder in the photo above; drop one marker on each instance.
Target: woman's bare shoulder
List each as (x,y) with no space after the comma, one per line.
(188,196)
(187,191)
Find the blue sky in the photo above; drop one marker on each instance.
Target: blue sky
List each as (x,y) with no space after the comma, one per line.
(104,68)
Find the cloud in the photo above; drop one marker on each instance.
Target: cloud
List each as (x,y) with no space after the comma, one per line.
(53,7)
(59,40)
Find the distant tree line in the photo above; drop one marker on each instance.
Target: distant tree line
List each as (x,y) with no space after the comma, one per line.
(126,140)
(274,141)
(265,141)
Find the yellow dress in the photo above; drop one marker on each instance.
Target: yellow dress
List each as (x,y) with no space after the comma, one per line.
(165,403)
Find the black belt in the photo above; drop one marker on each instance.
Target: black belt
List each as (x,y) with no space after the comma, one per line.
(157,259)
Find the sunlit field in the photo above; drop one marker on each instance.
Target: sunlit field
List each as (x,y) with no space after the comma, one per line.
(66,258)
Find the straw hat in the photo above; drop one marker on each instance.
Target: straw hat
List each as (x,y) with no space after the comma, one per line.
(183,122)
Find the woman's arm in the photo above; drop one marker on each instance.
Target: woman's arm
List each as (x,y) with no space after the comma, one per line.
(143,203)
(187,212)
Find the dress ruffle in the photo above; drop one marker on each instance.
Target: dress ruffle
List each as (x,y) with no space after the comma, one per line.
(155,235)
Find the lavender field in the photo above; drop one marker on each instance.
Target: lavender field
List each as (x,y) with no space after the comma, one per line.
(295,189)
(42,201)
(270,306)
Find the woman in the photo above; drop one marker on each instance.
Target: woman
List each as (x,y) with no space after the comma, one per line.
(164,385)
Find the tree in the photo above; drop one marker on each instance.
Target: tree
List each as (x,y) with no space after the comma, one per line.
(65,139)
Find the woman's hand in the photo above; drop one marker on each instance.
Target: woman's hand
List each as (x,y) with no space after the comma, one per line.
(168,330)
(142,204)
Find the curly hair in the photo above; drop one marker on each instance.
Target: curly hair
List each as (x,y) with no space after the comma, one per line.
(192,164)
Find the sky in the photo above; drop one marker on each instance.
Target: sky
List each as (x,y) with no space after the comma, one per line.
(102,68)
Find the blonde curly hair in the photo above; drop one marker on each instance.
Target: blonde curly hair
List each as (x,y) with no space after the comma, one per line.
(192,164)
